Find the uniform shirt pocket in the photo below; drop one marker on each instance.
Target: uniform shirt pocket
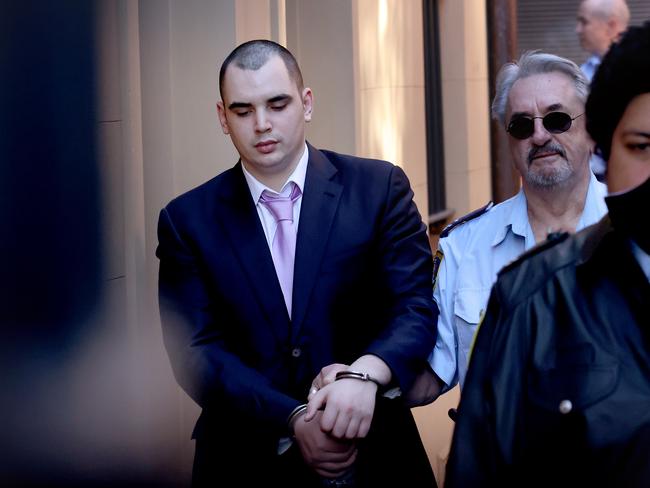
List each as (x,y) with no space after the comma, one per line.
(470,303)
(469,306)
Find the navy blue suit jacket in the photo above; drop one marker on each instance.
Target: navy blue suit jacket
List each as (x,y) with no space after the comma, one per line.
(362,285)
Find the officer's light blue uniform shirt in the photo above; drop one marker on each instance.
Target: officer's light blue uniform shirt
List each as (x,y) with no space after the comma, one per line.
(473,254)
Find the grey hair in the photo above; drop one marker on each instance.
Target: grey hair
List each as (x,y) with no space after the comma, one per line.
(534,63)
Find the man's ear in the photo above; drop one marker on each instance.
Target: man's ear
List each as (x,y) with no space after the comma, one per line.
(221,112)
(613,29)
(307,103)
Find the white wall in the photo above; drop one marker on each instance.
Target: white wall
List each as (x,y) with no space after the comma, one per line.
(159,136)
(390,87)
(320,35)
(463,41)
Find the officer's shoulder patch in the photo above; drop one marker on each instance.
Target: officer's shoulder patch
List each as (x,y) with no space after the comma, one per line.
(552,239)
(466,218)
(437,260)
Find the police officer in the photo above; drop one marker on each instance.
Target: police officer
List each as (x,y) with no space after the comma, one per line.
(540,100)
(558,389)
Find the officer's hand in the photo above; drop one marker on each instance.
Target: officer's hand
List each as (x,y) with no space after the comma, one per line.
(348,404)
(326,376)
(328,456)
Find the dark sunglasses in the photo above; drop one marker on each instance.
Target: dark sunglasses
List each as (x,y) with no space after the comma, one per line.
(522,127)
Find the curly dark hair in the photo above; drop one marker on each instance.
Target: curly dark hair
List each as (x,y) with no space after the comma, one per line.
(623,74)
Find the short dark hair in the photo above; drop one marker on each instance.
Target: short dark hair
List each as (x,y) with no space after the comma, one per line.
(252,55)
(623,74)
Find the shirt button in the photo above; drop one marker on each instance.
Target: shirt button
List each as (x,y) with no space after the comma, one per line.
(565,406)
(296,352)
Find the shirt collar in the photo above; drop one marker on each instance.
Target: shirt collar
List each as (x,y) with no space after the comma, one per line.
(589,66)
(297,177)
(515,219)
(594,61)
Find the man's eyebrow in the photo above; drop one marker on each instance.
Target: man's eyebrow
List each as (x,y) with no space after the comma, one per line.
(554,107)
(551,108)
(280,98)
(235,105)
(283,97)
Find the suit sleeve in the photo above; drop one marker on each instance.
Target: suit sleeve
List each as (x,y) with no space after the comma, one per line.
(484,440)
(209,372)
(406,265)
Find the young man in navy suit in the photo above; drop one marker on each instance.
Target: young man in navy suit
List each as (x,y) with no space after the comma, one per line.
(254,304)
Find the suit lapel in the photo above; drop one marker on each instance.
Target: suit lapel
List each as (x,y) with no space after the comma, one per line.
(244,230)
(319,204)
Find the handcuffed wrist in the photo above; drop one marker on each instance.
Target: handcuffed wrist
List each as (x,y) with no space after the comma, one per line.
(357,375)
(293,416)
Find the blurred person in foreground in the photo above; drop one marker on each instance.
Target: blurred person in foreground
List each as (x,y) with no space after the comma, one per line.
(539,101)
(293,260)
(558,389)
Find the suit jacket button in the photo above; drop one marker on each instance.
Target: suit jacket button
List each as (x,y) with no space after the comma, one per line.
(296,352)
(565,406)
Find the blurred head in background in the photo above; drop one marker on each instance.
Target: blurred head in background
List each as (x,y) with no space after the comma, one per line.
(601,22)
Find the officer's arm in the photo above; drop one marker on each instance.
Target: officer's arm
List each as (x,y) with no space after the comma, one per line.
(444,358)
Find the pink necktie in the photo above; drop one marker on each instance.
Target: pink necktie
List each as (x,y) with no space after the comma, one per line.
(283,249)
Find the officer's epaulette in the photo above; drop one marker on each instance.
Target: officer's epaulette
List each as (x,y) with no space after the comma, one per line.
(552,239)
(466,218)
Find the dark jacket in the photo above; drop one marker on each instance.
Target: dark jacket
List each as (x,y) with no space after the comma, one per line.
(558,389)
(362,285)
